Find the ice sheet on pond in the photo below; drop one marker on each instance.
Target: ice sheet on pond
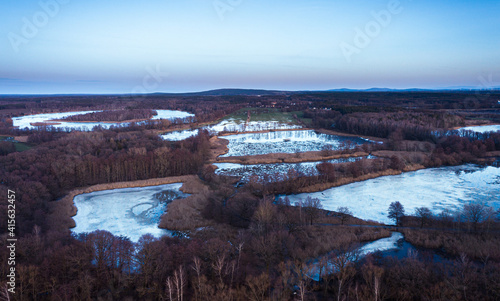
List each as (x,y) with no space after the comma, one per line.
(482,128)
(437,188)
(286,142)
(26,121)
(130,212)
(383,244)
(171,114)
(232,125)
(259,170)
(179,135)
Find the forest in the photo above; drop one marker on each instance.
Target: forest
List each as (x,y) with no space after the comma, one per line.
(255,244)
(114,115)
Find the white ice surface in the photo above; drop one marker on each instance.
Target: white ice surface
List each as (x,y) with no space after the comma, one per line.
(25,121)
(130,212)
(436,188)
(233,125)
(246,171)
(179,135)
(482,128)
(171,115)
(383,244)
(284,142)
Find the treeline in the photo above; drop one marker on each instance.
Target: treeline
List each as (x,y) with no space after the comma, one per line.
(453,100)
(236,206)
(278,256)
(423,126)
(330,174)
(114,115)
(79,159)
(456,150)
(7,147)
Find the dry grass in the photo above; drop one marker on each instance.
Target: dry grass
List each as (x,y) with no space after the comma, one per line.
(331,132)
(185,214)
(336,220)
(474,246)
(288,158)
(328,238)
(62,210)
(349,180)
(21,139)
(407,157)
(218,147)
(475,122)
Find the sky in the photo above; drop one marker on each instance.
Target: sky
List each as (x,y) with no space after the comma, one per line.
(130,46)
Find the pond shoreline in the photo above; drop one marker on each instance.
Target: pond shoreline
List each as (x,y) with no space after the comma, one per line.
(62,210)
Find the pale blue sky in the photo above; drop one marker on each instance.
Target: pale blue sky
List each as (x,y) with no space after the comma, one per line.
(112,46)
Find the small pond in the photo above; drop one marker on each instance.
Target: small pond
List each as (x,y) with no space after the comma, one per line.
(130,212)
(287,142)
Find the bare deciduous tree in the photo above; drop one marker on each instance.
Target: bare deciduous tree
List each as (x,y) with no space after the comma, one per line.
(424,214)
(345,214)
(474,213)
(396,212)
(311,208)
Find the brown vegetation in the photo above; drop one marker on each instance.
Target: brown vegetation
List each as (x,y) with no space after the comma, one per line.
(290,158)
(185,214)
(125,115)
(477,247)
(254,247)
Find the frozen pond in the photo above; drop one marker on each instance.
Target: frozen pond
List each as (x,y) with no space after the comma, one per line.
(179,135)
(286,142)
(482,129)
(383,244)
(436,188)
(393,246)
(130,212)
(26,121)
(233,125)
(246,171)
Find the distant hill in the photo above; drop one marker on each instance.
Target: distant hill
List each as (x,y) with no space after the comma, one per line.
(258,92)
(225,92)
